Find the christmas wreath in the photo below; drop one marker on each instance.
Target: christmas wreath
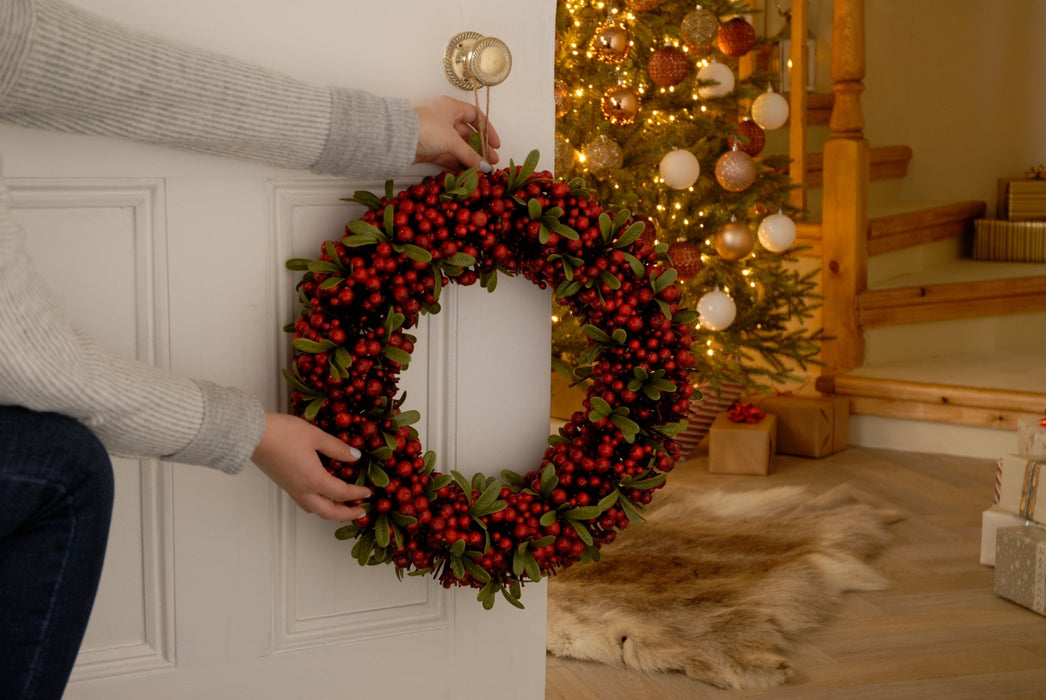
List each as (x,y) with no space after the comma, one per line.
(365,292)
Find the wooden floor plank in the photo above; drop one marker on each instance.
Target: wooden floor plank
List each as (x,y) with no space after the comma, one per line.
(939,631)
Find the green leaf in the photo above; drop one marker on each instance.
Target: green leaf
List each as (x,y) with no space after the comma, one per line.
(663,282)
(314,408)
(331,282)
(630,236)
(596,333)
(582,531)
(548,518)
(311,346)
(406,418)
(298,264)
(460,260)
(637,267)
(610,280)
(606,226)
(398,355)
(361,551)
(458,548)
(628,427)
(476,571)
(381,531)
(325,267)
(416,253)
(389,216)
(644,484)
(483,504)
(685,316)
(343,357)
(634,516)
(582,513)
(619,336)
(367,199)
(567,289)
(534,209)
(347,532)
(463,484)
(362,228)
(377,475)
(600,406)
(513,600)
(401,519)
(486,596)
(549,480)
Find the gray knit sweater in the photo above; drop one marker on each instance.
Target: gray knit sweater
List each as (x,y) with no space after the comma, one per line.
(64,69)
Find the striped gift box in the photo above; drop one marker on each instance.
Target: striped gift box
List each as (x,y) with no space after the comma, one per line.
(703,413)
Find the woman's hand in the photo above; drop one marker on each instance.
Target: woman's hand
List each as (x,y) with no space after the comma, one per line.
(445,127)
(288,455)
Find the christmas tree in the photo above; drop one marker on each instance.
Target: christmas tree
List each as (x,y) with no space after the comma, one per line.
(662,110)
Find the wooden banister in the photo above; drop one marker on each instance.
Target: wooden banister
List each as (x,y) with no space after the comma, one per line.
(844,248)
(797,105)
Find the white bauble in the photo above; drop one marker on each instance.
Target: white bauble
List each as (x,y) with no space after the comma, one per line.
(680,169)
(717,310)
(776,233)
(719,72)
(770,110)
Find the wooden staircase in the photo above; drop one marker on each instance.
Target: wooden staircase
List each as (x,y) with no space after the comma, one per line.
(918,331)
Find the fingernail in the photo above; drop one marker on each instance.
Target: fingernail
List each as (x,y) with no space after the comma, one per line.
(484,166)
(356,454)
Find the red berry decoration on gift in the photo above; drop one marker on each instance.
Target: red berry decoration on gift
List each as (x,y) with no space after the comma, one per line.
(736,37)
(365,292)
(668,66)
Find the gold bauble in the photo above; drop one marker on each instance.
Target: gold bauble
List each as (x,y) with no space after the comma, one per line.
(603,155)
(611,43)
(699,27)
(735,171)
(734,241)
(564,156)
(620,104)
(562,96)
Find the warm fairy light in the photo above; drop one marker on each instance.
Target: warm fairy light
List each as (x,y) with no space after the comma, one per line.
(555,319)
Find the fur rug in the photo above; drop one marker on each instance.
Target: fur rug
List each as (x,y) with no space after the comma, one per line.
(717,584)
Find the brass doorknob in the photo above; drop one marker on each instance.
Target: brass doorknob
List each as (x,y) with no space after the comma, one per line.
(472,60)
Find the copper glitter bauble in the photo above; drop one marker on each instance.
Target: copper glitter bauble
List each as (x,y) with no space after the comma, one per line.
(753,138)
(562,97)
(686,259)
(736,37)
(611,43)
(643,5)
(734,241)
(735,171)
(699,27)
(620,104)
(603,155)
(649,235)
(668,66)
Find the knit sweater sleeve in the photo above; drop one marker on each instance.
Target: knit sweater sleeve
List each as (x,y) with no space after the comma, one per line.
(65,69)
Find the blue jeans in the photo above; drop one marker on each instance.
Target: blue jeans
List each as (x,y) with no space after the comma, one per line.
(56,498)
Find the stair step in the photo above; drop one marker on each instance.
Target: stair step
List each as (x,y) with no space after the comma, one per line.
(985,390)
(961,289)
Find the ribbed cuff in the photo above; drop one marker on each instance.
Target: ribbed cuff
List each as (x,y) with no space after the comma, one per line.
(370,136)
(233,425)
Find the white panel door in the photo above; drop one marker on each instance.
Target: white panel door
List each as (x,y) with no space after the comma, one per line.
(217,586)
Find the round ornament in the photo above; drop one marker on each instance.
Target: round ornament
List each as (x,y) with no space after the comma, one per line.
(352,341)
(699,27)
(734,241)
(611,43)
(668,66)
(564,154)
(770,110)
(735,37)
(620,104)
(753,138)
(686,259)
(643,5)
(649,235)
(776,233)
(603,155)
(679,169)
(716,310)
(562,97)
(735,171)
(723,79)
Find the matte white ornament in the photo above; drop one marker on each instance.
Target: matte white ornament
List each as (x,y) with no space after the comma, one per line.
(719,72)
(680,169)
(776,233)
(770,110)
(717,310)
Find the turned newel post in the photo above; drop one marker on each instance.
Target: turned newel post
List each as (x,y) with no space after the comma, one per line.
(845,215)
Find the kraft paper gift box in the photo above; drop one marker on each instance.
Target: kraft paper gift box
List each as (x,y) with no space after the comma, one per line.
(993,520)
(1019,487)
(742,448)
(1020,566)
(1031,438)
(809,426)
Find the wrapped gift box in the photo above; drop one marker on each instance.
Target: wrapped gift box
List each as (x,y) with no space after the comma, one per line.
(1020,566)
(1009,241)
(993,520)
(1021,198)
(811,426)
(741,448)
(1019,487)
(1031,438)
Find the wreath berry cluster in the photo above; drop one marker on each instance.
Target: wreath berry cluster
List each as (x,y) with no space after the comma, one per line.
(365,292)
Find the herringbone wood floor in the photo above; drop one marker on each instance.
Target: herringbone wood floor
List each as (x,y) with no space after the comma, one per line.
(939,631)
